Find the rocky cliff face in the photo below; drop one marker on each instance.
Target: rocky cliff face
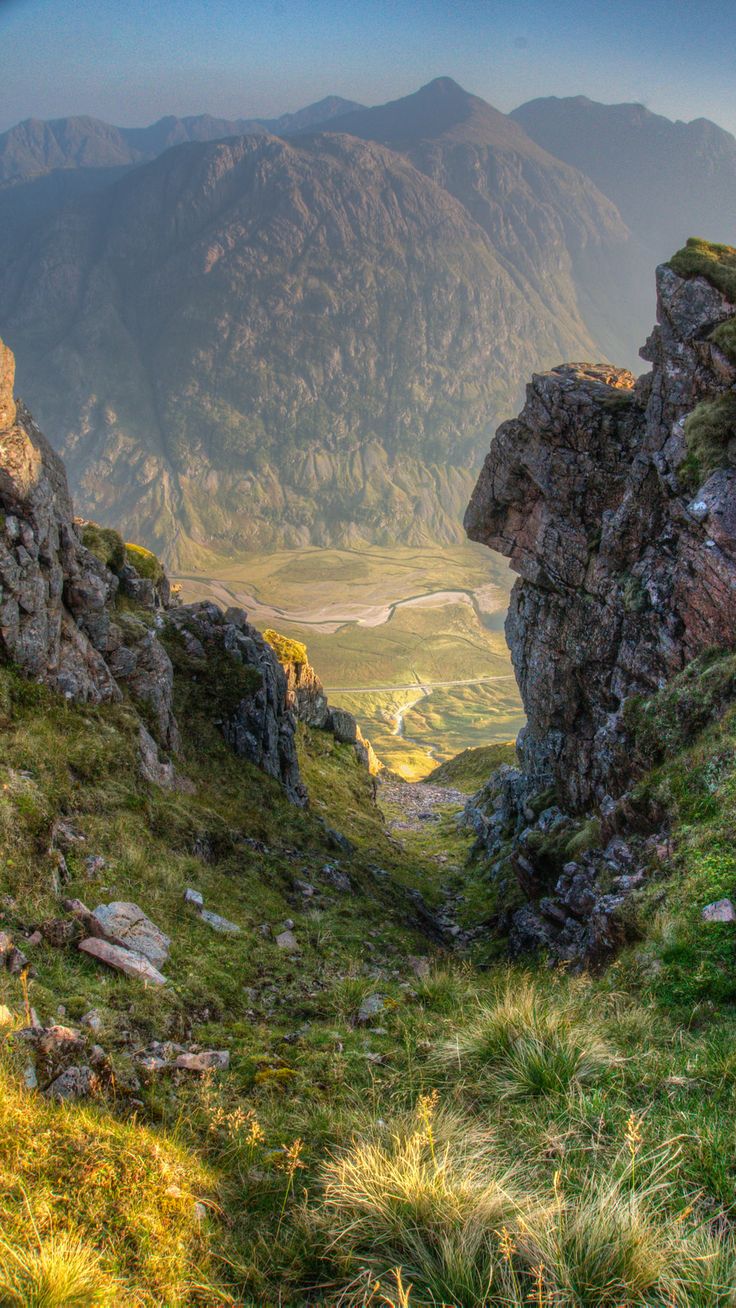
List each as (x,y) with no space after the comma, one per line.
(62,621)
(623,533)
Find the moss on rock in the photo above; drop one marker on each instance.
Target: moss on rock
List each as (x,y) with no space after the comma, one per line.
(106,544)
(710,435)
(716,263)
(145,563)
(286,649)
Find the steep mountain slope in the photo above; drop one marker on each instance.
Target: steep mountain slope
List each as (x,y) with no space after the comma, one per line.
(255,342)
(670,180)
(559,236)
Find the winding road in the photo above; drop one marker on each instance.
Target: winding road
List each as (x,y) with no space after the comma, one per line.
(426,686)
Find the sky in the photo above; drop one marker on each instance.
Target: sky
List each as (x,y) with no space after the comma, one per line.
(132,61)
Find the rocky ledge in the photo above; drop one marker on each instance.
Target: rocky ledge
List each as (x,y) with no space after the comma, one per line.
(620,520)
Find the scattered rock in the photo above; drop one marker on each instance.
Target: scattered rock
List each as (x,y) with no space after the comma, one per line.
(93,1020)
(334,874)
(370,1007)
(158,771)
(208,1059)
(193,897)
(218,923)
(60,932)
(127,924)
(122,960)
(419,966)
(16,962)
(288,941)
(94,864)
(65,836)
(722,910)
(73,1083)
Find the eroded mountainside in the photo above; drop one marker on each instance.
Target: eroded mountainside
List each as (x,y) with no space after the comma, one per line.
(614,501)
(259,342)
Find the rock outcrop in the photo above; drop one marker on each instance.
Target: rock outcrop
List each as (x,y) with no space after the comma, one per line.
(306,697)
(62,623)
(255,716)
(626,573)
(625,546)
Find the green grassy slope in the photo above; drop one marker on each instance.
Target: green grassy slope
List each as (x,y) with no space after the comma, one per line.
(495,1134)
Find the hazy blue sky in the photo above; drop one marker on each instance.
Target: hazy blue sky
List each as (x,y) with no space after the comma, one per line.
(131,61)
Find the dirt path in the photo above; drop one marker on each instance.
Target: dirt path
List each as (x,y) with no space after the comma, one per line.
(417,801)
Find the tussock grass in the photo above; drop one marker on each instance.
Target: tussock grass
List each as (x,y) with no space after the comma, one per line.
(62,1272)
(529,1042)
(431,1199)
(433,1213)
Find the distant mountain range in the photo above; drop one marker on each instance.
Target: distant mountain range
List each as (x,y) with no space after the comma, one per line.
(668,180)
(305,330)
(35,147)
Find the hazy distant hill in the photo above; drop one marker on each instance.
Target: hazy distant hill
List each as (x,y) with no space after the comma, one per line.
(557,233)
(36,146)
(670,180)
(255,341)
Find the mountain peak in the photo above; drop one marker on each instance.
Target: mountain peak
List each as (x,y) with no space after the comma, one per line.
(441,108)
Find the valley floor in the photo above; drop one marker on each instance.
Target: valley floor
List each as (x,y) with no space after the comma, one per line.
(410,641)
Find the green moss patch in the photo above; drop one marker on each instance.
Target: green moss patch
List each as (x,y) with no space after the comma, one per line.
(716,263)
(286,649)
(106,544)
(710,436)
(724,336)
(145,563)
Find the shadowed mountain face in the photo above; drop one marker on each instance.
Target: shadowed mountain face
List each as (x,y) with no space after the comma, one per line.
(552,225)
(251,342)
(256,342)
(669,180)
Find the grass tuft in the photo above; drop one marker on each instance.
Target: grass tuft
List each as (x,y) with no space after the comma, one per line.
(528,1043)
(62,1272)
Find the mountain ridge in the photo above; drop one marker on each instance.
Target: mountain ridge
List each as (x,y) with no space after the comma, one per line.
(36,146)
